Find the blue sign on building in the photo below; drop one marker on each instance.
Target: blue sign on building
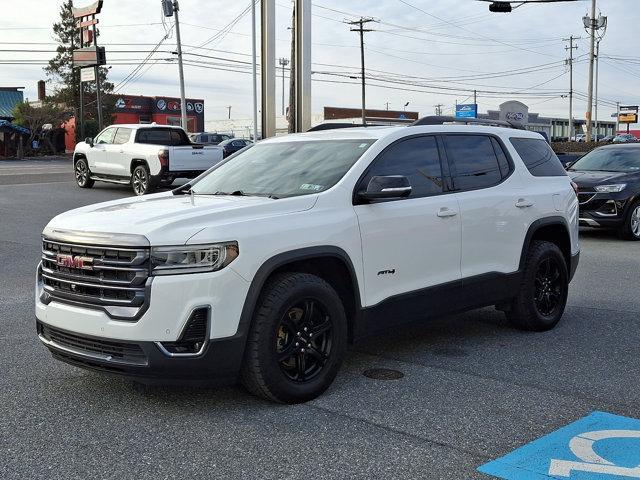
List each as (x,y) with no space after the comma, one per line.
(469,110)
(600,446)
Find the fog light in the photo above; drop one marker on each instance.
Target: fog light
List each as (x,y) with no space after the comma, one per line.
(194,336)
(609,209)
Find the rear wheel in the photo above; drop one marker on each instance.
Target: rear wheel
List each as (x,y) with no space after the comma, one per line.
(141,181)
(297,340)
(631,228)
(543,292)
(82,173)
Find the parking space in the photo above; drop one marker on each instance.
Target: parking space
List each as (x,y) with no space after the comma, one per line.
(473,389)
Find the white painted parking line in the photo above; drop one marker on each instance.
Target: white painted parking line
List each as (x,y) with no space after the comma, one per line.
(598,447)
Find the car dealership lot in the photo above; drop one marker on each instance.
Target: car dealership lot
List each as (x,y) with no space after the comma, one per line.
(473,388)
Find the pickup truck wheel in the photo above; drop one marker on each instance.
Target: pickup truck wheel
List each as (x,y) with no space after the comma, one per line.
(543,291)
(83,174)
(141,181)
(297,340)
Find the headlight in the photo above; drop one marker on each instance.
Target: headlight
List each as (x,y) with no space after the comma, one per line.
(611,188)
(192,259)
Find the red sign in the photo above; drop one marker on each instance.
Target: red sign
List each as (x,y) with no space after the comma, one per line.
(92,9)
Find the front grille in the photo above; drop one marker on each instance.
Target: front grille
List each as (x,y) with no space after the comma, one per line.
(110,351)
(95,275)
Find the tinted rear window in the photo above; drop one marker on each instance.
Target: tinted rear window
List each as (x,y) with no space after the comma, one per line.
(162,136)
(537,155)
(474,160)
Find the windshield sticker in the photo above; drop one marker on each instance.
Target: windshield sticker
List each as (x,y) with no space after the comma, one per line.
(311,186)
(363,145)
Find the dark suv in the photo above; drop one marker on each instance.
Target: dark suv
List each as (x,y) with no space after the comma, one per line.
(608,180)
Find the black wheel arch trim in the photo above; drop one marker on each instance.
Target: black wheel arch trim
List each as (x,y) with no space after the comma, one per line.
(282,259)
(537,225)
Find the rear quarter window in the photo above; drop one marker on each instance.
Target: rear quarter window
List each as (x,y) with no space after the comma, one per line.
(538,157)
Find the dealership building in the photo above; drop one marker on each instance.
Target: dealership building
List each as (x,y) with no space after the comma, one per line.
(161,110)
(554,127)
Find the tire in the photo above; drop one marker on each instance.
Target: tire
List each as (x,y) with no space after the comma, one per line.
(631,228)
(142,182)
(82,173)
(543,291)
(283,360)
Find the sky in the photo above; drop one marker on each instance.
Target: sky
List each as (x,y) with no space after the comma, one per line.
(425,52)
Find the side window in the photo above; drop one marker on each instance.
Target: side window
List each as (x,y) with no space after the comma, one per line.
(417,159)
(106,136)
(474,161)
(154,136)
(237,143)
(503,162)
(122,136)
(537,155)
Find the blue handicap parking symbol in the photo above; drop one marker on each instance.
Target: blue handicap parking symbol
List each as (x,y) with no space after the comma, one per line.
(600,446)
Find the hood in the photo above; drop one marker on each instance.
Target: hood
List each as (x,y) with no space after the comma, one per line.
(593,178)
(167,219)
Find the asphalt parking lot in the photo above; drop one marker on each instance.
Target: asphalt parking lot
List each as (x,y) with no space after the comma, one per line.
(473,388)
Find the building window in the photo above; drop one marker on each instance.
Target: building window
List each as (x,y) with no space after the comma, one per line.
(144,119)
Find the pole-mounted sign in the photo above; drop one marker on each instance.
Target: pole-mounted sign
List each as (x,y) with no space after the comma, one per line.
(89,54)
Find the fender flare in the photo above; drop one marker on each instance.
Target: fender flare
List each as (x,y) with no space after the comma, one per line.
(537,225)
(277,261)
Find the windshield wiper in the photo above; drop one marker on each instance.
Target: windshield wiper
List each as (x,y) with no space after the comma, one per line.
(235,193)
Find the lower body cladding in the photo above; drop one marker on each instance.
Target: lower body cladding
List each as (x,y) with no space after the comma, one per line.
(189,332)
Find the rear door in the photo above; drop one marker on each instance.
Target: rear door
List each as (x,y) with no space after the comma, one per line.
(492,204)
(118,154)
(412,243)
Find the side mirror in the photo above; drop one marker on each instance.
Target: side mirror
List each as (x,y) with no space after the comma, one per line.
(89,141)
(385,187)
(567,165)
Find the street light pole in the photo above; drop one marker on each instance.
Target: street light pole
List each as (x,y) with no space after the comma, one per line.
(183,101)
(254,72)
(596,88)
(283,63)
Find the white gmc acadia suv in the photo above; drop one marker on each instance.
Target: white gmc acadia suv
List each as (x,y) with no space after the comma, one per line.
(268,265)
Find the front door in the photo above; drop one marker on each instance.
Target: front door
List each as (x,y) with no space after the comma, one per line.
(412,243)
(97,155)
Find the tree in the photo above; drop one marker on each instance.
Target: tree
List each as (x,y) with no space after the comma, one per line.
(35,119)
(66,79)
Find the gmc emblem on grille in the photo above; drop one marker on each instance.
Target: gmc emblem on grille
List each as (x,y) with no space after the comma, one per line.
(69,261)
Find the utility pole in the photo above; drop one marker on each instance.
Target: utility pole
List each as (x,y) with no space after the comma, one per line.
(183,101)
(283,63)
(475,97)
(361,30)
(617,117)
(387,105)
(254,62)
(569,61)
(593,26)
(439,109)
(229,109)
(596,88)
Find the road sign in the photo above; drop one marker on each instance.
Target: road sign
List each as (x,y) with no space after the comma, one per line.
(87,74)
(628,118)
(469,110)
(600,446)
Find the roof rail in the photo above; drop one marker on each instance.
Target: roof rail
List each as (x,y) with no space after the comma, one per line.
(444,119)
(340,125)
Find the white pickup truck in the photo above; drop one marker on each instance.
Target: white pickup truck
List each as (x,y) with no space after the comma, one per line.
(144,156)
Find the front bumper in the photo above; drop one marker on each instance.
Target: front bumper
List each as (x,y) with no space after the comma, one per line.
(606,210)
(219,363)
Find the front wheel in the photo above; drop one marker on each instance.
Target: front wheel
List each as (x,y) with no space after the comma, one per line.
(141,181)
(631,228)
(543,291)
(297,340)
(83,174)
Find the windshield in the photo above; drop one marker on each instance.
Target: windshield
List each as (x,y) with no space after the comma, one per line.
(283,169)
(609,160)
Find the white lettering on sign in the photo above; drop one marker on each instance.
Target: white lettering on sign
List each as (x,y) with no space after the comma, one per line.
(582,447)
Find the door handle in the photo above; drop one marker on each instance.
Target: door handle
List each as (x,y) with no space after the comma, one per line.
(446,212)
(524,203)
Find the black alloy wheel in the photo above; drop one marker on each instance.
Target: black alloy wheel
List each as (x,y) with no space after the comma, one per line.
(548,287)
(304,340)
(82,174)
(297,339)
(542,295)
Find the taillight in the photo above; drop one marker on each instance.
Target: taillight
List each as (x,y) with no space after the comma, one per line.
(163,156)
(574,185)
